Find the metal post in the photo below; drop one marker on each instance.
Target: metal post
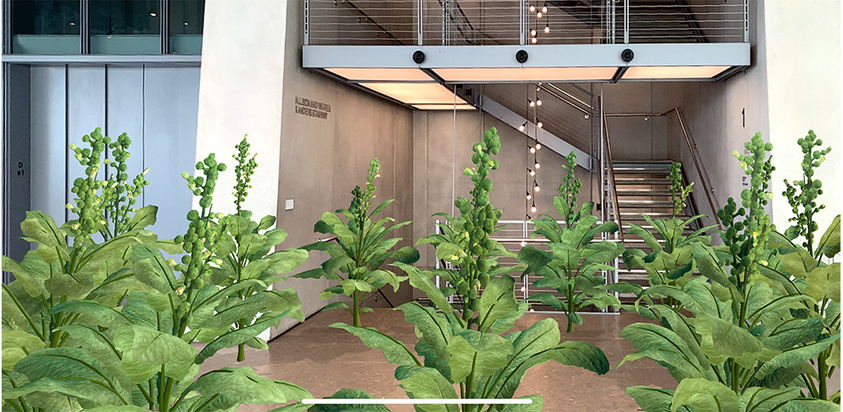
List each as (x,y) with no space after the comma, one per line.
(625,21)
(7,27)
(746,21)
(85,26)
(420,23)
(306,22)
(164,25)
(522,14)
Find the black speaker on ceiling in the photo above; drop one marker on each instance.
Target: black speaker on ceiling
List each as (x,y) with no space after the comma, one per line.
(521,56)
(418,57)
(627,55)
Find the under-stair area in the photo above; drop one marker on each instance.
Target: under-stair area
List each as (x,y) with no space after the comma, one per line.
(643,189)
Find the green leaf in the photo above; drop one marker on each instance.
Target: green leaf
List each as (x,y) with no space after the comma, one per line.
(536,406)
(529,349)
(285,300)
(652,399)
(478,352)
(389,277)
(406,254)
(40,227)
(236,337)
(154,271)
(447,251)
(830,241)
(150,347)
(17,344)
(33,283)
(94,311)
(266,222)
(794,332)
(145,216)
(664,346)
(422,281)
(548,299)
(533,258)
(74,285)
(704,396)
(242,385)
(728,339)
(337,305)
(824,283)
(426,383)
(795,356)
(70,371)
(123,408)
(809,405)
(765,399)
(394,351)
(349,286)
(497,305)
(235,310)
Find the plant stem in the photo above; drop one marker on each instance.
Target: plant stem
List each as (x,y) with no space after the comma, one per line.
(822,371)
(355,310)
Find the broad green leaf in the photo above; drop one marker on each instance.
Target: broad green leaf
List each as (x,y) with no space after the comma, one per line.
(40,227)
(54,395)
(652,399)
(70,371)
(389,277)
(448,251)
(236,337)
(794,332)
(765,399)
(497,304)
(145,216)
(533,258)
(536,406)
(406,254)
(98,344)
(548,299)
(282,300)
(123,408)
(478,352)
(704,396)
(421,281)
(829,244)
(155,272)
(74,285)
(809,405)
(266,222)
(394,351)
(17,344)
(94,311)
(824,283)
(337,305)
(681,325)
(243,386)
(426,383)
(581,354)
(529,349)
(236,310)
(664,346)
(33,283)
(435,332)
(834,357)
(149,346)
(795,356)
(349,286)
(286,261)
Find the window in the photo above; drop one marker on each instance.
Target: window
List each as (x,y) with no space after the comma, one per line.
(45,27)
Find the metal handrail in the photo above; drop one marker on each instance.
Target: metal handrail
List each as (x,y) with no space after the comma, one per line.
(612,176)
(692,148)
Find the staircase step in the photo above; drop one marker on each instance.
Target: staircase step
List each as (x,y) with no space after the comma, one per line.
(629,216)
(640,181)
(643,192)
(643,204)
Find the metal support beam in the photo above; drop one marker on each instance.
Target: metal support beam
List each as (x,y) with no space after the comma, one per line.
(547,139)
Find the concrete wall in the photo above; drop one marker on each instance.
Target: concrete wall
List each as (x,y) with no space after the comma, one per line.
(442,151)
(322,160)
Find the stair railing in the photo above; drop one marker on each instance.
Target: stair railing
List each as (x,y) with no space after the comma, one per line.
(611,167)
(701,172)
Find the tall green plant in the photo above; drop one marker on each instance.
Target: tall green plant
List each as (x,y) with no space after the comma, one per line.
(465,346)
(741,348)
(678,192)
(132,352)
(245,250)
(575,260)
(361,249)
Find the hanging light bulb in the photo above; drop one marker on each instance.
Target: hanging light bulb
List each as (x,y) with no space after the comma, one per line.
(533,32)
(522,127)
(531,171)
(537,165)
(534,40)
(523,243)
(522,287)
(532,150)
(536,187)
(539,124)
(538,146)
(531,103)
(529,196)
(538,15)
(544,8)
(586,116)
(538,102)
(547,28)
(532,8)
(533,208)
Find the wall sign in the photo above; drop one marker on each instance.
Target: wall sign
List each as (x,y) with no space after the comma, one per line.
(312,108)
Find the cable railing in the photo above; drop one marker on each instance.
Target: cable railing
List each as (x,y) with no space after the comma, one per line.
(523,22)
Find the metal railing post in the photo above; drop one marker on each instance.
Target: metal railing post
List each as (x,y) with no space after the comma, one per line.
(522,22)
(306,22)
(420,23)
(746,21)
(625,21)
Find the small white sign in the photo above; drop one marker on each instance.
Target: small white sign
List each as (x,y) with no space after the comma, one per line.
(288,204)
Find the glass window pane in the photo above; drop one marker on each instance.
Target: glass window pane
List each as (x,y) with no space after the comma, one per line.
(125,27)
(187,17)
(45,27)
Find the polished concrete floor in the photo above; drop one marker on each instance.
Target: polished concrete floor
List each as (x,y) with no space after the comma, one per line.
(324,360)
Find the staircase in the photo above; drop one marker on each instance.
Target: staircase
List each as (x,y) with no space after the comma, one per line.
(643,188)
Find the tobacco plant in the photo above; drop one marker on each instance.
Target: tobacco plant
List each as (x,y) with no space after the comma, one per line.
(361,249)
(671,259)
(122,343)
(465,346)
(575,260)
(244,250)
(737,344)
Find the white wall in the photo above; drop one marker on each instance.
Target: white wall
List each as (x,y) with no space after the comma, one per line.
(803,87)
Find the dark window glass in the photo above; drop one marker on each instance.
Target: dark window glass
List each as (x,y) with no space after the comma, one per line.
(45,27)
(125,26)
(187,17)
